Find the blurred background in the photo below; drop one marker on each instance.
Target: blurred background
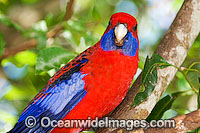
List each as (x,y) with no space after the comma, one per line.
(23,22)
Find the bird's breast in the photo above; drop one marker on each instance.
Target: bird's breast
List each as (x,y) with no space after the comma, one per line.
(109,76)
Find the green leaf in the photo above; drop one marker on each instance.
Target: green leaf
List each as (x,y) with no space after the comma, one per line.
(51,58)
(38,31)
(41,39)
(2,44)
(163,105)
(95,14)
(149,76)
(39,35)
(26,57)
(50,19)
(5,20)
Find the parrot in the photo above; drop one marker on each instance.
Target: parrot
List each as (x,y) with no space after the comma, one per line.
(93,84)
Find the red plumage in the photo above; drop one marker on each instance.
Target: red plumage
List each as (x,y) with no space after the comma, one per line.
(109,76)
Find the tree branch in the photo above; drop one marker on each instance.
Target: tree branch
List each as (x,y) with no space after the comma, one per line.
(57,30)
(173,48)
(69,10)
(29,44)
(184,123)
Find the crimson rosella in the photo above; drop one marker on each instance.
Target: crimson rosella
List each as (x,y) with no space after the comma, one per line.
(92,84)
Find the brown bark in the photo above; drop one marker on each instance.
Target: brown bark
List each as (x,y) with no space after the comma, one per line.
(173,48)
(69,10)
(30,44)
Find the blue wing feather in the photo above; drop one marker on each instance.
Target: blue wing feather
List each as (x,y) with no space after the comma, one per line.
(57,98)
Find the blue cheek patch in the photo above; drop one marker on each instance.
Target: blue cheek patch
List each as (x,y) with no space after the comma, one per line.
(130,43)
(108,42)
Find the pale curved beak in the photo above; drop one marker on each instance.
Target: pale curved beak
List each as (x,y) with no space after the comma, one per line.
(120,32)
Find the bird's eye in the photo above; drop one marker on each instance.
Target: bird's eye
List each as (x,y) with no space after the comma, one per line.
(135,27)
(109,23)
(125,25)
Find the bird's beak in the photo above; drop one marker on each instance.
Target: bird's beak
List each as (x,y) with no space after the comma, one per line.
(120,32)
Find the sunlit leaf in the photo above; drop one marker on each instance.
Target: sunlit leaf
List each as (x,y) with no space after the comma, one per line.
(20,93)
(52,57)
(96,14)
(194,51)
(26,57)
(149,76)
(141,64)
(4,1)
(193,76)
(182,82)
(50,20)
(177,4)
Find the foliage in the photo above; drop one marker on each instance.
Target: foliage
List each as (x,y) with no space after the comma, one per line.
(52,57)
(149,79)
(2,44)
(149,76)
(163,105)
(5,20)
(166,102)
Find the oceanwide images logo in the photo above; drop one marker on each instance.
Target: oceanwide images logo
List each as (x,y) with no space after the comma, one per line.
(106,122)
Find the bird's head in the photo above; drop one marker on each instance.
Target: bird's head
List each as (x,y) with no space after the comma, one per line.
(121,34)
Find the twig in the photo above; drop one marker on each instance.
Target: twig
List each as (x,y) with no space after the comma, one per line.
(55,31)
(194,63)
(29,44)
(69,10)
(186,77)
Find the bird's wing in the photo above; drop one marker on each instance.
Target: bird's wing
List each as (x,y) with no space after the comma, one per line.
(61,94)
